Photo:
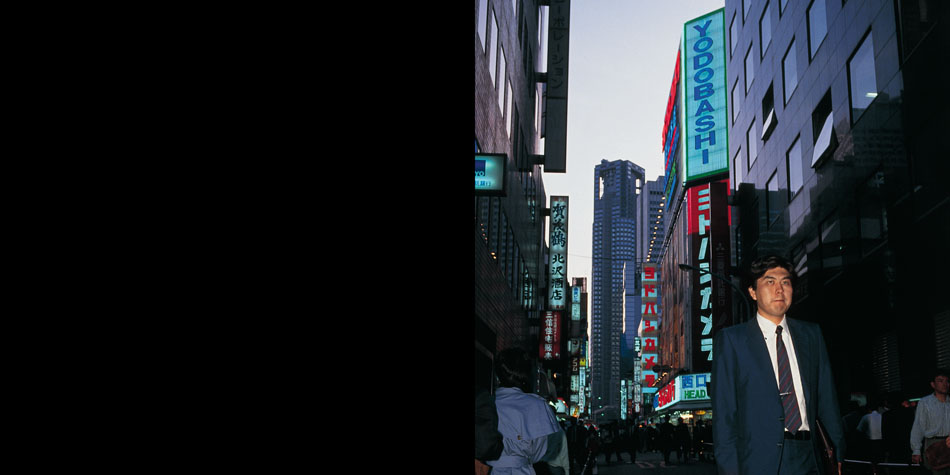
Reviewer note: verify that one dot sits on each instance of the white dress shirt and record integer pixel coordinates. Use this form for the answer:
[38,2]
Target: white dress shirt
[768,332]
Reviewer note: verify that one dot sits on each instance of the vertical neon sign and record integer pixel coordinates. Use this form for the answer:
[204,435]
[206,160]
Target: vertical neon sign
[704,79]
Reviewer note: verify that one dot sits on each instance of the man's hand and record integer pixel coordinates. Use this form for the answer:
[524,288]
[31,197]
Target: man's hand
[915,459]
[839,468]
[948,441]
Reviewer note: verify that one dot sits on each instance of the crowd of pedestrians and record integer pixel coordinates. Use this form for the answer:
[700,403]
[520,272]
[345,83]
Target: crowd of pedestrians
[620,442]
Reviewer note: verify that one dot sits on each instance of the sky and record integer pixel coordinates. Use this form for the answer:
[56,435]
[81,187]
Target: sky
[622,54]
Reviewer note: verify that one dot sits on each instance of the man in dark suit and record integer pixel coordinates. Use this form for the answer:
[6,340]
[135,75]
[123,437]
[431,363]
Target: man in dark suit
[771,379]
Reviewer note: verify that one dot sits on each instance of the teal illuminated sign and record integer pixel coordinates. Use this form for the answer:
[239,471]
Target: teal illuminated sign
[705,98]
[490,173]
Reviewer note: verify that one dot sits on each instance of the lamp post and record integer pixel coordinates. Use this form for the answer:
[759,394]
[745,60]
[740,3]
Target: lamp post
[742,296]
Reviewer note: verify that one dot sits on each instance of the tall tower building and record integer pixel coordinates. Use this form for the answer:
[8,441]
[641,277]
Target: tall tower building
[651,209]
[613,278]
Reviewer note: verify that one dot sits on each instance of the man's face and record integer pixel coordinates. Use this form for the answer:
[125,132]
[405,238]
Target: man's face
[773,293]
[941,384]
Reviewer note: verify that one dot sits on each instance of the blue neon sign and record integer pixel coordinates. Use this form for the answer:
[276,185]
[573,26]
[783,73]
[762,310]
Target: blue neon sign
[704,80]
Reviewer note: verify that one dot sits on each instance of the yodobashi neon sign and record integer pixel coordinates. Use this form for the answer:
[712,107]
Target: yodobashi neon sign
[490,173]
[704,80]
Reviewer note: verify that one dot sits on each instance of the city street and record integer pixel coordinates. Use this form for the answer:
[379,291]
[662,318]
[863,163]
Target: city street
[652,462]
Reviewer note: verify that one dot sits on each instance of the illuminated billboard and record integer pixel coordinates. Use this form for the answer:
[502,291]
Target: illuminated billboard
[550,347]
[490,173]
[708,229]
[705,98]
[672,131]
[685,388]
[649,324]
[558,290]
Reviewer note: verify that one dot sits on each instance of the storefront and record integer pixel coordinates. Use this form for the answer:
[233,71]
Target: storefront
[685,397]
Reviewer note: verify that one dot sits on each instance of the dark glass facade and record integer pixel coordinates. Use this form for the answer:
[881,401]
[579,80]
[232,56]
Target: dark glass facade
[843,169]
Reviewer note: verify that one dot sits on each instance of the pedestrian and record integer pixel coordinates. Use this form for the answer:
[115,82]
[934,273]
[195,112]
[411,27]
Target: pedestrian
[576,444]
[682,441]
[932,421]
[896,424]
[763,417]
[593,450]
[870,428]
[633,441]
[611,442]
[666,438]
[652,437]
[849,422]
[488,441]
[527,423]
[699,439]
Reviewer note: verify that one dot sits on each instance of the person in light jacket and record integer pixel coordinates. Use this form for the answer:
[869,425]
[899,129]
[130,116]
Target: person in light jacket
[526,421]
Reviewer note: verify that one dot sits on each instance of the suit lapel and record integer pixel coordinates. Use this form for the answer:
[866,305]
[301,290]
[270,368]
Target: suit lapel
[804,353]
[760,354]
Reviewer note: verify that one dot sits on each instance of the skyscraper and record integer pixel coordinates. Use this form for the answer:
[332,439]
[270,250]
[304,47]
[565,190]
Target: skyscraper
[613,278]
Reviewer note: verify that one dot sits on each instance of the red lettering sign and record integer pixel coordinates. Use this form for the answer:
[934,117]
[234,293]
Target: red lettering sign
[649,289]
[649,344]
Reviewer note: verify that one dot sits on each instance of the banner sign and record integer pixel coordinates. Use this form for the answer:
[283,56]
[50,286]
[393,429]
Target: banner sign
[649,323]
[550,347]
[555,115]
[704,81]
[671,133]
[708,229]
[557,243]
[685,387]
[490,173]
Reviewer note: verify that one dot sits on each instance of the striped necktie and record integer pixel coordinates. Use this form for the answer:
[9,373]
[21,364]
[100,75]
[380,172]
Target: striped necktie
[793,418]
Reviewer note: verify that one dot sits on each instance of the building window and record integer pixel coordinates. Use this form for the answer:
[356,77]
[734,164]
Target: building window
[501,79]
[749,68]
[733,36]
[750,144]
[537,110]
[746,5]
[735,107]
[781,7]
[765,29]
[822,123]
[872,214]
[772,201]
[492,49]
[832,248]
[793,161]
[769,120]
[737,168]
[916,21]
[481,21]
[508,108]
[861,78]
[789,71]
[817,26]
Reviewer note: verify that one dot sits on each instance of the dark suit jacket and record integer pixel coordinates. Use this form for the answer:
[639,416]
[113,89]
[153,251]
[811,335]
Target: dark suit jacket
[748,419]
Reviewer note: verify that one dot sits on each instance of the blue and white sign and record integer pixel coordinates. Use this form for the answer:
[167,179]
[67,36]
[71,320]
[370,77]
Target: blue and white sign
[705,98]
[490,173]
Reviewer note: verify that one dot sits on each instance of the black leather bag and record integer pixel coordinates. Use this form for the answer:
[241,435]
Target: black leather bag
[938,455]
[828,460]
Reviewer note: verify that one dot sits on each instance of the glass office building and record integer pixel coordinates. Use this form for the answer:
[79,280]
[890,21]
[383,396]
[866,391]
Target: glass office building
[838,125]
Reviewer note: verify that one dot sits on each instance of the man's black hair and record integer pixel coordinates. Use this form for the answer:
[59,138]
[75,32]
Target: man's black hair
[941,372]
[760,266]
[513,368]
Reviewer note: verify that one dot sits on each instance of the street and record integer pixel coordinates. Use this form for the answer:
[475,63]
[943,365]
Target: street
[652,462]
